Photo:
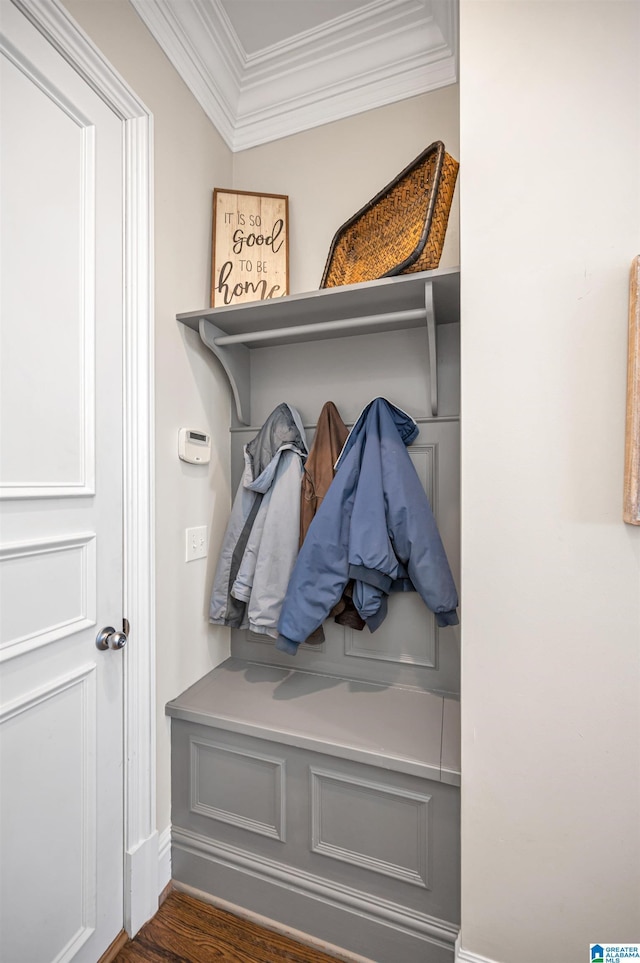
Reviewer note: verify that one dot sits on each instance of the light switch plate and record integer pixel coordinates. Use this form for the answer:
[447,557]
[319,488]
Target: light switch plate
[196,543]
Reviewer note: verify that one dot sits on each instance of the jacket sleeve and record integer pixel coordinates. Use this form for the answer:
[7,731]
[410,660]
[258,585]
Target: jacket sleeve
[321,570]
[278,548]
[416,539]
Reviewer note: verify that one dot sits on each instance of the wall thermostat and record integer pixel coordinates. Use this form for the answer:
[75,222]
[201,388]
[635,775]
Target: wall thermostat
[194,446]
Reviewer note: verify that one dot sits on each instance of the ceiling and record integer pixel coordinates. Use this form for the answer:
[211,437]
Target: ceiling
[264,69]
[261,23]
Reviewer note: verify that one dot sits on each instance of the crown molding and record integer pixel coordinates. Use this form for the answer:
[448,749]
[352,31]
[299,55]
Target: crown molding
[336,101]
[383,52]
[206,64]
[378,19]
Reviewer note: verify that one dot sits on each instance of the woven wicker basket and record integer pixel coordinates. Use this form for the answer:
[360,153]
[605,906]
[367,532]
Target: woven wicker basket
[401,229]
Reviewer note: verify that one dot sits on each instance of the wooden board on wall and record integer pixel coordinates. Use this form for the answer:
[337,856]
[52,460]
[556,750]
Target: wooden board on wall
[250,250]
[631,512]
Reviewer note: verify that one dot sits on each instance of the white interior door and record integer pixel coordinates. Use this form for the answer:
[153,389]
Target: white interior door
[61,700]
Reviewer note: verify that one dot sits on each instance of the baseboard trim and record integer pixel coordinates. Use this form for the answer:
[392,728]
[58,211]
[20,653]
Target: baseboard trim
[164,859]
[268,924]
[141,884]
[419,924]
[112,951]
[167,891]
[254,881]
[465,956]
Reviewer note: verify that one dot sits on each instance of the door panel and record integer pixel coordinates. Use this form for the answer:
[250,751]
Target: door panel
[61,572]
[49,249]
[50,847]
[66,570]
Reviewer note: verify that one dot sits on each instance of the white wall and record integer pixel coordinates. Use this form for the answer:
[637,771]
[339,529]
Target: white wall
[331,171]
[190,159]
[550,154]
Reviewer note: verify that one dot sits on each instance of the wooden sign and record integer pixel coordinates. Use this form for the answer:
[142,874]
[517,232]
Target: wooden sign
[250,260]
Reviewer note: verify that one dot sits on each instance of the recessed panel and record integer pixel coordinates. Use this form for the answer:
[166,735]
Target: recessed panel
[47,838]
[424,458]
[47,592]
[408,634]
[379,828]
[240,788]
[46,383]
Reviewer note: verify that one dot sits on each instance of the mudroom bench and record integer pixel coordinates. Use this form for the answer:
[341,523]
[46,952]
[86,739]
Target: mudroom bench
[321,792]
[346,791]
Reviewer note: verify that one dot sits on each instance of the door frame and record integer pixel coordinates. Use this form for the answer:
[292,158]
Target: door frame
[140,834]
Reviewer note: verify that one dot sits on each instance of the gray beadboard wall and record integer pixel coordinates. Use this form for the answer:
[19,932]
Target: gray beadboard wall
[321,791]
[408,648]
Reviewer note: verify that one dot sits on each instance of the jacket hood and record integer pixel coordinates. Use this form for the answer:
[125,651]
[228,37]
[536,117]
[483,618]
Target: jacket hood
[380,407]
[282,431]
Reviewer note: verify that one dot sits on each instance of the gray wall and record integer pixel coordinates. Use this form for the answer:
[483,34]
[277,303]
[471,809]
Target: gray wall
[331,171]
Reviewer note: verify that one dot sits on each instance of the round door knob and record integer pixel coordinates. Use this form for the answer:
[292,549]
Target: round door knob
[108,638]
[117,640]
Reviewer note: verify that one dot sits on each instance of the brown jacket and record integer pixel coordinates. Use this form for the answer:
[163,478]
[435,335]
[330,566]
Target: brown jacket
[331,434]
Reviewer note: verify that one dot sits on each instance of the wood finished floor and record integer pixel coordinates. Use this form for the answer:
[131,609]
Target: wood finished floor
[184,930]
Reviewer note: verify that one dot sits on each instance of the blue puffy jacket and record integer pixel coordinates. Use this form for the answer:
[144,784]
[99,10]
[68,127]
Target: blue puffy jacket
[375,526]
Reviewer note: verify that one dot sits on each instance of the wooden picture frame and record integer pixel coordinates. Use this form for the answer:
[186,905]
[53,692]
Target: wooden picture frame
[250,247]
[631,510]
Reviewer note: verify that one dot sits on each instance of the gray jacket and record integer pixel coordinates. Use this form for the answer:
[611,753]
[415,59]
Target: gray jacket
[260,545]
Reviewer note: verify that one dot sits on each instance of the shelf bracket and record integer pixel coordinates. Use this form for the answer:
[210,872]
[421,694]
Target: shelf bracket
[431,346]
[235,361]
[232,352]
